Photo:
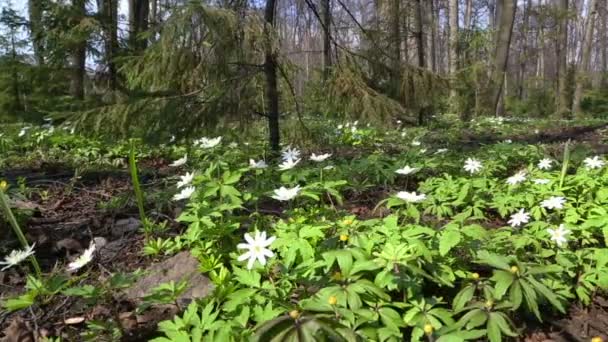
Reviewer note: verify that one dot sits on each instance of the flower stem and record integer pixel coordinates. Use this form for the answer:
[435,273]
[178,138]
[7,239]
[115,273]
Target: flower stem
[13,222]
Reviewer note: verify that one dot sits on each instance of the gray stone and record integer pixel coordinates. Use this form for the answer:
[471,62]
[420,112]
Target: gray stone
[182,266]
[124,226]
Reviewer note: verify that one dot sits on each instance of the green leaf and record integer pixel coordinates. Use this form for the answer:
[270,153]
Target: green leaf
[494,260]
[390,318]
[448,240]
[502,279]
[248,278]
[463,297]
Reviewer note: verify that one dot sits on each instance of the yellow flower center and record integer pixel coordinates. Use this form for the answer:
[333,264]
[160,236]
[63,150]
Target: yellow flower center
[489,304]
[475,276]
[597,339]
[294,314]
[428,329]
[332,300]
[3,185]
[343,237]
[514,269]
[347,222]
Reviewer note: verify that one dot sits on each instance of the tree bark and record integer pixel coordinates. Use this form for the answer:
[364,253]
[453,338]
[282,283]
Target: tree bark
[395,45]
[428,25]
[109,19]
[501,52]
[524,50]
[562,58]
[418,32]
[270,71]
[585,57]
[468,12]
[326,9]
[78,54]
[453,44]
[603,37]
[138,23]
[36,29]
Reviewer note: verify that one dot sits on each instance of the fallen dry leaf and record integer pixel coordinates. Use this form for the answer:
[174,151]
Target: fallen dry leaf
[73,320]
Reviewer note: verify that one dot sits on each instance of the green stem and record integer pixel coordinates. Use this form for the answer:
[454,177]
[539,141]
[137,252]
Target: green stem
[13,222]
[139,195]
[565,164]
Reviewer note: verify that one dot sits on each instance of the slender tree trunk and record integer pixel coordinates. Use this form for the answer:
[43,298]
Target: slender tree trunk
[78,54]
[109,18]
[36,29]
[428,25]
[524,49]
[270,71]
[492,14]
[501,54]
[603,37]
[395,45]
[585,58]
[326,8]
[562,58]
[453,45]
[17,106]
[418,32]
[468,12]
[138,23]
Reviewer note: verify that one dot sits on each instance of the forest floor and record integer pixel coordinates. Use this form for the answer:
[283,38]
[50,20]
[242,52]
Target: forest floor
[69,213]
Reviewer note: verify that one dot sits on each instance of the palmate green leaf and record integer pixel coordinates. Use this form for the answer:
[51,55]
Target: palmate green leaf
[463,336]
[463,297]
[548,294]
[493,329]
[247,278]
[448,240]
[503,280]
[494,260]
[237,298]
[391,318]
[530,297]
[24,301]
[503,322]
[515,295]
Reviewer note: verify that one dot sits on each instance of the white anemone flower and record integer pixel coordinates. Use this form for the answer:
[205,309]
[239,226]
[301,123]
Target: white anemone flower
[519,218]
[545,164]
[554,202]
[208,142]
[180,161]
[185,179]
[16,257]
[416,143]
[559,235]
[329,167]
[290,154]
[472,165]
[83,259]
[411,197]
[288,164]
[260,164]
[23,131]
[441,150]
[184,194]
[319,158]
[256,249]
[593,163]
[541,181]
[517,178]
[286,194]
[406,170]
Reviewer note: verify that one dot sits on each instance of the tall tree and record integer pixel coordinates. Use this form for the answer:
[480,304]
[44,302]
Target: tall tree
[35,9]
[395,44]
[109,19]
[418,32]
[453,44]
[585,57]
[270,71]
[501,52]
[562,58]
[326,8]
[428,26]
[138,23]
[79,52]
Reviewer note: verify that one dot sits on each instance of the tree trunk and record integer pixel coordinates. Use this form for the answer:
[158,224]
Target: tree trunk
[138,23]
[492,14]
[603,37]
[36,29]
[326,8]
[585,58]
[270,71]
[395,45]
[418,32]
[453,45]
[562,58]
[501,52]
[524,49]
[78,55]
[468,14]
[109,17]
[428,26]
